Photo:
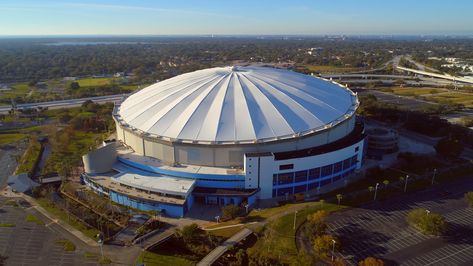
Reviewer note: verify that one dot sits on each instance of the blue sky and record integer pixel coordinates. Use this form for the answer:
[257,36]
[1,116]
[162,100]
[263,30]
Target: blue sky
[36,17]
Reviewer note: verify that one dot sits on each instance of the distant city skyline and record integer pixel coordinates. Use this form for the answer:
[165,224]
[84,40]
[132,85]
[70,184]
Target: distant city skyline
[206,17]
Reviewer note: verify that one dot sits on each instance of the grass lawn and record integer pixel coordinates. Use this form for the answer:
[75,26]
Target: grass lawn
[410,91]
[29,158]
[154,259]
[11,138]
[33,219]
[62,215]
[17,90]
[7,225]
[67,245]
[95,82]
[226,232]
[452,98]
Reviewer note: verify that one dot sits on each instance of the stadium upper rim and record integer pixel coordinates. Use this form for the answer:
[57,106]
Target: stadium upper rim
[306,104]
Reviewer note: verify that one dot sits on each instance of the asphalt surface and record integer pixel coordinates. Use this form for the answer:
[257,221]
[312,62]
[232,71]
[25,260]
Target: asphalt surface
[66,103]
[380,230]
[29,243]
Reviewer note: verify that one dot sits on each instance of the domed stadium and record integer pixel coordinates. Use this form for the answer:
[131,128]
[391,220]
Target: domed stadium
[230,135]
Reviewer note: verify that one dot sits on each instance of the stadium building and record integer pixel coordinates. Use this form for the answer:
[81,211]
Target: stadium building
[230,135]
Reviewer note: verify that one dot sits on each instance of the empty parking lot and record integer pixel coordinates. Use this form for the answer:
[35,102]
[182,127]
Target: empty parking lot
[29,243]
[380,230]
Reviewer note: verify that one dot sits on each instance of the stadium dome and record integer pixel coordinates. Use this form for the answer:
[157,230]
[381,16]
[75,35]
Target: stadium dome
[237,105]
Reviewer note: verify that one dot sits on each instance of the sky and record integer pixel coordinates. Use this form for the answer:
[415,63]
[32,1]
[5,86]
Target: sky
[243,17]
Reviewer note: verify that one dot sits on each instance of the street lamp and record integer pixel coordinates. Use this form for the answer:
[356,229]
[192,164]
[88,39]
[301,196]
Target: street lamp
[375,190]
[295,217]
[405,184]
[333,247]
[100,241]
[433,176]
[246,207]
[217,218]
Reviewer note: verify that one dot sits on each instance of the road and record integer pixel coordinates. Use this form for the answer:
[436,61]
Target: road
[66,103]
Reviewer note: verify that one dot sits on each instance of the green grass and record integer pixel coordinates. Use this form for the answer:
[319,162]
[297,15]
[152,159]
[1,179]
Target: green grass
[7,225]
[17,90]
[33,219]
[452,98]
[226,232]
[62,215]
[11,138]
[154,259]
[67,245]
[410,91]
[95,82]
[91,255]
[29,158]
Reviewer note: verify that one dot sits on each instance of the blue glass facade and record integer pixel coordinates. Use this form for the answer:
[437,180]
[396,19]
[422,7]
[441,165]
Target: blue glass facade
[310,179]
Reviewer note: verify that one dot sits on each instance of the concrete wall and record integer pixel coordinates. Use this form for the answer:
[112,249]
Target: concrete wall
[225,155]
[100,160]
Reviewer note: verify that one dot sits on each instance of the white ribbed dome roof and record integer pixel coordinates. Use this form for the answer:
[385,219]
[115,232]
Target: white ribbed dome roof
[237,104]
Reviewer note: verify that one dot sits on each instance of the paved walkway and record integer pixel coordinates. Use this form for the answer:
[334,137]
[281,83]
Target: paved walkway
[218,251]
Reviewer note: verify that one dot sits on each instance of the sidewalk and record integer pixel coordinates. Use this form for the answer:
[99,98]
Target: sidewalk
[218,251]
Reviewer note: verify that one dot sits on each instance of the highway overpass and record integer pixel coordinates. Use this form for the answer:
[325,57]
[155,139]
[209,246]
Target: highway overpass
[435,75]
[65,103]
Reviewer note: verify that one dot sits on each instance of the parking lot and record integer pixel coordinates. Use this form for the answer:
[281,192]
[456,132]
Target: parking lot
[29,243]
[380,230]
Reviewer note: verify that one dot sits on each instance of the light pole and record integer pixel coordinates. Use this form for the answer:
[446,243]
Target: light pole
[295,217]
[217,218]
[433,175]
[376,190]
[333,247]
[100,241]
[246,207]
[405,184]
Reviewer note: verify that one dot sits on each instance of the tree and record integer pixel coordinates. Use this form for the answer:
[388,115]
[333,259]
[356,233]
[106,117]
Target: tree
[427,222]
[241,257]
[74,85]
[316,224]
[189,233]
[469,198]
[449,147]
[323,245]
[231,211]
[339,198]
[386,183]
[370,261]
[370,189]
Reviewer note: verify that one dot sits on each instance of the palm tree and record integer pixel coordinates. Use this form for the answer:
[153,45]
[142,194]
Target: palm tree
[386,183]
[339,198]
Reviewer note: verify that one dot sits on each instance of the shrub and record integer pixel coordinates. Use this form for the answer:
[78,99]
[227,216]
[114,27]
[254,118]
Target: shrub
[231,211]
[323,245]
[469,198]
[370,261]
[427,222]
